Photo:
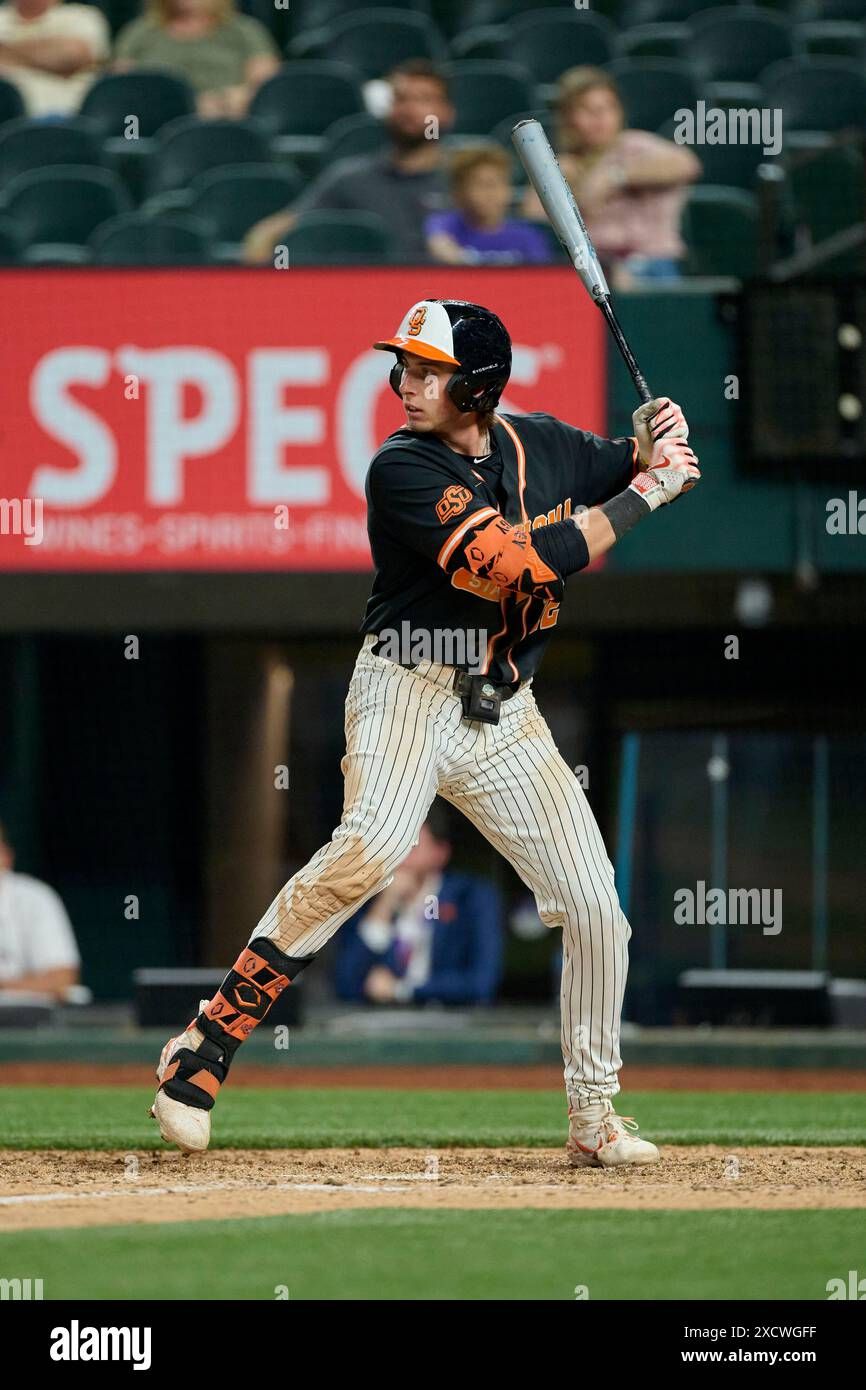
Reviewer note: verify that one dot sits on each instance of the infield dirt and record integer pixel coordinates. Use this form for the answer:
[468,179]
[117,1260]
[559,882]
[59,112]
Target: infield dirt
[54,1188]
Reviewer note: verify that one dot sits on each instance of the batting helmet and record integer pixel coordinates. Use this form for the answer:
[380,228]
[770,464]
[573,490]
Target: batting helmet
[467,335]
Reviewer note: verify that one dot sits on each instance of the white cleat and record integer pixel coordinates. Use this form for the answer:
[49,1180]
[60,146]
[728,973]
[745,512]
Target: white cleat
[599,1138]
[184,1125]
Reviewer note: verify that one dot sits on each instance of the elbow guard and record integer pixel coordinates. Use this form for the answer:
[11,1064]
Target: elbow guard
[506,555]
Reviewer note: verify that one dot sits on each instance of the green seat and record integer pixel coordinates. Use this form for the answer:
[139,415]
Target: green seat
[11,103]
[373,41]
[338,238]
[836,37]
[485,93]
[154,98]
[27,144]
[483,41]
[653,41]
[817,93]
[306,97]
[736,43]
[190,146]
[231,200]
[828,190]
[547,42]
[353,135]
[135,239]
[732,165]
[720,229]
[660,11]
[62,203]
[11,244]
[653,89]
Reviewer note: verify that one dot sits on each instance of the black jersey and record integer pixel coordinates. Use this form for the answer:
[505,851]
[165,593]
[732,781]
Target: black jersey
[451,538]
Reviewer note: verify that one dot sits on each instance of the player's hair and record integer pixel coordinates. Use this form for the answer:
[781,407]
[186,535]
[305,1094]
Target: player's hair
[573,86]
[422,67]
[464,162]
[161,10]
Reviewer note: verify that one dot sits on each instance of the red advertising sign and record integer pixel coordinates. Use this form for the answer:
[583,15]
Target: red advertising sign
[224,419]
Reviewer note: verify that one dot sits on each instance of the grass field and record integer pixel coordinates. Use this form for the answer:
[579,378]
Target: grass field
[486,1250]
[102,1117]
[450,1254]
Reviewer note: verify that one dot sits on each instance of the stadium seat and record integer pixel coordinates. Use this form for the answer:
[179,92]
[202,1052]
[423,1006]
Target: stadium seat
[155,98]
[11,104]
[373,41]
[353,135]
[732,165]
[189,146]
[28,144]
[339,238]
[837,38]
[485,93]
[134,239]
[835,9]
[10,242]
[61,205]
[229,201]
[828,190]
[485,41]
[306,97]
[503,11]
[660,11]
[720,229]
[653,41]
[736,43]
[653,89]
[817,94]
[547,42]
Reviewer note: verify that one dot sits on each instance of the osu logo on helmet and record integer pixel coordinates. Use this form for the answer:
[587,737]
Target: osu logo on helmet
[416,322]
[452,502]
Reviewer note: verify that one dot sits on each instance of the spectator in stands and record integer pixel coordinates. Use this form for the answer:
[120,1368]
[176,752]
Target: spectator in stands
[223,55]
[478,230]
[50,52]
[629,184]
[403,184]
[432,934]
[38,954]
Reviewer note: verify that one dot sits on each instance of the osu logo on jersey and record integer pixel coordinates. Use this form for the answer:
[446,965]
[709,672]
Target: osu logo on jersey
[453,501]
[416,322]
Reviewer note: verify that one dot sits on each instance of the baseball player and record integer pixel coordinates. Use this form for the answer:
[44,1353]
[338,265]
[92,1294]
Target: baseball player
[476,519]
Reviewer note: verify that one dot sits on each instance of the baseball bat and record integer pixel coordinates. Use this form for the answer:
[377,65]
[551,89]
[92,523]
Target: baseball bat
[540,162]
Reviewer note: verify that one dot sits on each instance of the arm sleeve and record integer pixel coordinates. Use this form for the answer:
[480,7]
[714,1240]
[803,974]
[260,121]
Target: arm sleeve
[602,467]
[478,982]
[445,521]
[51,940]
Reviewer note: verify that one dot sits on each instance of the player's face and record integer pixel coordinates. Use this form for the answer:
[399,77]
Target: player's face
[422,390]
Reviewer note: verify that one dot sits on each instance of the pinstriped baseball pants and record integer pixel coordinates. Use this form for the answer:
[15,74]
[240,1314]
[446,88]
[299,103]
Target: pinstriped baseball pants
[406,742]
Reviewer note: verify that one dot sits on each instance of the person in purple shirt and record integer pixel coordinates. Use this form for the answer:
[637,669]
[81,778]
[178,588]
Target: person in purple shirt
[478,230]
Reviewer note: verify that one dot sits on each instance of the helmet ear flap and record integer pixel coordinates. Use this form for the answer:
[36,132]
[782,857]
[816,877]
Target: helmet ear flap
[395,376]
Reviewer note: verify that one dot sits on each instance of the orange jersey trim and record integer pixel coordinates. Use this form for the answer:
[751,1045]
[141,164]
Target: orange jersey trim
[473,519]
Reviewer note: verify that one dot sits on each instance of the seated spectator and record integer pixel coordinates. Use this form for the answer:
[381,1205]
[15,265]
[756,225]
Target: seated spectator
[629,184]
[50,52]
[478,230]
[223,55]
[402,184]
[432,934]
[38,954]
